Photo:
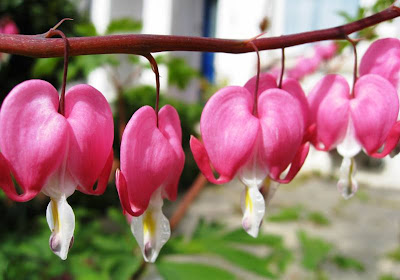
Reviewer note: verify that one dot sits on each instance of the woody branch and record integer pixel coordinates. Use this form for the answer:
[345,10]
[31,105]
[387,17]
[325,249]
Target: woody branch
[39,46]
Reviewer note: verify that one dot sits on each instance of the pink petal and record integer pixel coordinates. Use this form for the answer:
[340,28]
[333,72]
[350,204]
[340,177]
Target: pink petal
[203,162]
[123,194]
[296,164]
[103,178]
[92,133]
[169,125]
[10,28]
[383,58]
[326,51]
[282,129]
[229,130]
[148,159]
[293,87]
[390,143]
[304,66]
[7,184]
[374,110]
[33,135]
[329,106]
[266,81]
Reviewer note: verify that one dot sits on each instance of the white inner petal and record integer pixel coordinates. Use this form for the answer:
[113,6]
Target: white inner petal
[347,184]
[252,175]
[61,220]
[349,146]
[253,208]
[59,214]
[151,229]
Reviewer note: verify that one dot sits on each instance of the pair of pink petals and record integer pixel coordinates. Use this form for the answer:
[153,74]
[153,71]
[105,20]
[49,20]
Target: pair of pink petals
[373,109]
[383,58]
[362,118]
[151,157]
[35,140]
[152,161]
[233,135]
[46,151]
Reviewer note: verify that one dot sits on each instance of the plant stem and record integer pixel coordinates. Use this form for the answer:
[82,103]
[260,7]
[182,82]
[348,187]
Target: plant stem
[154,67]
[36,46]
[190,195]
[54,32]
[282,68]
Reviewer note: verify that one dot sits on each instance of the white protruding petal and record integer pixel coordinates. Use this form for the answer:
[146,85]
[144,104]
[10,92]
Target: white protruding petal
[349,146]
[347,185]
[61,220]
[151,229]
[252,176]
[253,207]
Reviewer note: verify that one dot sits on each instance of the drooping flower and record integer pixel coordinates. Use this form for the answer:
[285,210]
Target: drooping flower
[254,140]
[383,58]
[152,161]
[306,65]
[48,152]
[351,122]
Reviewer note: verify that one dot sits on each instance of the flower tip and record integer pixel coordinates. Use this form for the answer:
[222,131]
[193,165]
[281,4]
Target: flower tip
[148,253]
[252,231]
[61,220]
[253,207]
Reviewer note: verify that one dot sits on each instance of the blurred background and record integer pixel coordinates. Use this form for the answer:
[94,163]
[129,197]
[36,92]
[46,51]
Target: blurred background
[309,231]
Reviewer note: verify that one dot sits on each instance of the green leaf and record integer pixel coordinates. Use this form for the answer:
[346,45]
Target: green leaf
[242,259]
[85,29]
[344,262]
[388,277]
[125,268]
[394,255]
[314,250]
[45,66]
[347,17]
[240,236]
[288,214]
[180,73]
[193,271]
[124,25]
[318,218]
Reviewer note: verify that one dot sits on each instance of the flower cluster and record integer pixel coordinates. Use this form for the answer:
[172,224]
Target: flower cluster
[260,133]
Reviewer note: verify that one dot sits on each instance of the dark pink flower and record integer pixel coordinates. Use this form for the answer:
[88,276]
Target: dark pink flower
[253,146]
[351,123]
[383,58]
[48,152]
[152,161]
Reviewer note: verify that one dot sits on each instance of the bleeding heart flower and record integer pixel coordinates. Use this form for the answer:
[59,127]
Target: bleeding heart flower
[48,152]
[352,122]
[152,161]
[253,140]
[383,58]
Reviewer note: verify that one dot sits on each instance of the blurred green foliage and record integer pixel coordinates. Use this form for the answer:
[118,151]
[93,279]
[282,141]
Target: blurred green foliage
[362,12]
[34,17]
[388,277]
[394,255]
[298,213]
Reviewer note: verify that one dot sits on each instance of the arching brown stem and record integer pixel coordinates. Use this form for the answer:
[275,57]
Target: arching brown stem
[36,46]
